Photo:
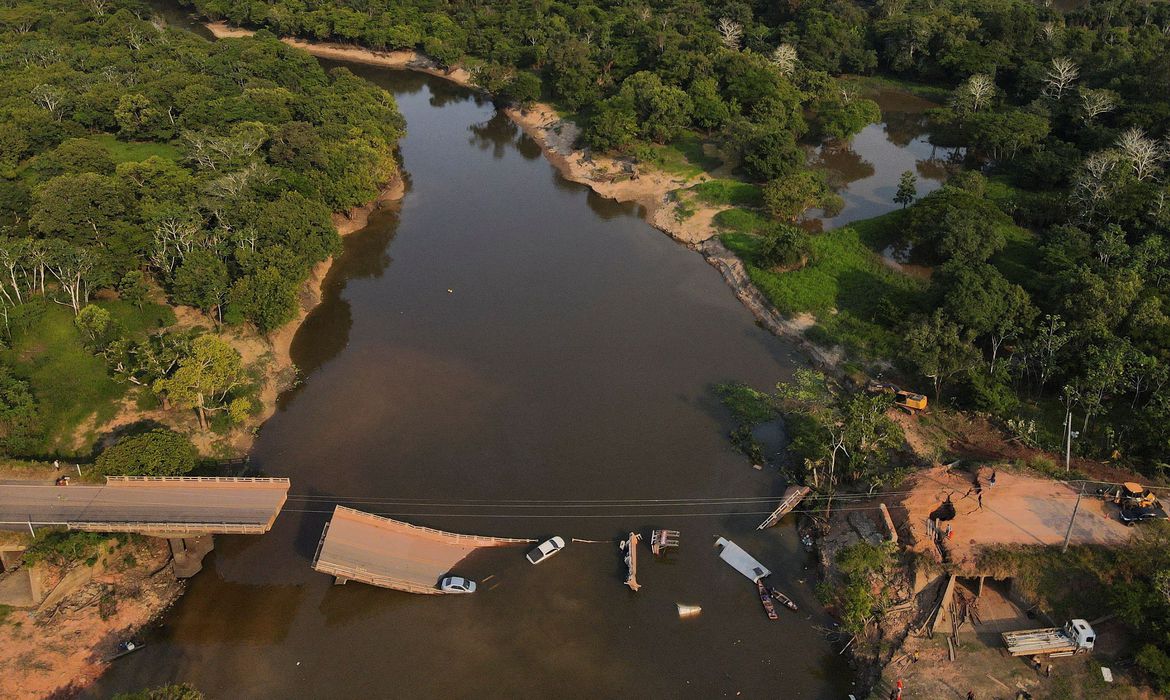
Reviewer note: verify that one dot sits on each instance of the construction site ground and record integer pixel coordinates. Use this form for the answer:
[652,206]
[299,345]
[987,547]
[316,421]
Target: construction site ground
[1019,510]
[983,666]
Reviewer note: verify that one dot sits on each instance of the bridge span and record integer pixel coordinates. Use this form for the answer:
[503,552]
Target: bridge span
[184,506]
[389,553]
[185,510]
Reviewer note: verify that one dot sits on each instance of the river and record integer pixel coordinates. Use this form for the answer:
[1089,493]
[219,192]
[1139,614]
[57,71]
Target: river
[505,335]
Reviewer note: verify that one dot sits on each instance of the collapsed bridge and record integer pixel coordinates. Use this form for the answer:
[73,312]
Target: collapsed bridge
[358,546]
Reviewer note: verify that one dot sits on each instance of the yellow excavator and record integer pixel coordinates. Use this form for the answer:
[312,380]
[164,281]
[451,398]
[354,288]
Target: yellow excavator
[1135,502]
[908,401]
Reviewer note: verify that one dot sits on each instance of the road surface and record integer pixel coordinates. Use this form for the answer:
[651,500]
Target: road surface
[234,504]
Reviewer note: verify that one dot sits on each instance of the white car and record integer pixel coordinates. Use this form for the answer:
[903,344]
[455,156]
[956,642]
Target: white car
[545,550]
[457,584]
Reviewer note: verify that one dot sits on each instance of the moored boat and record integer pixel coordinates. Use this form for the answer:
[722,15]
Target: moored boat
[766,601]
[784,600]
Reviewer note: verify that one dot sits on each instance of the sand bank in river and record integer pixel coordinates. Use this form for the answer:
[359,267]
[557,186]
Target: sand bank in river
[613,178]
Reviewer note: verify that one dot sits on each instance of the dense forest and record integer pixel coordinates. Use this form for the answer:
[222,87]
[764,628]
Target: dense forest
[138,162]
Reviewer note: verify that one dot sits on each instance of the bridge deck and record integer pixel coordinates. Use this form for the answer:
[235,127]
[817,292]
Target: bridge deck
[194,505]
[393,554]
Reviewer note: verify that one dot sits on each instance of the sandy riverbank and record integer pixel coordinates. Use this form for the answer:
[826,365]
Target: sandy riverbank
[613,178]
[60,648]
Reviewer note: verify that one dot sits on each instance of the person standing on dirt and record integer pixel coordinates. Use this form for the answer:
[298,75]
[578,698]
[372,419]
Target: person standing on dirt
[991,481]
[970,695]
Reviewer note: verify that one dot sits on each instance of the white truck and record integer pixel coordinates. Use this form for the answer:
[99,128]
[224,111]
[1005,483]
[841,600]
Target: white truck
[1076,637]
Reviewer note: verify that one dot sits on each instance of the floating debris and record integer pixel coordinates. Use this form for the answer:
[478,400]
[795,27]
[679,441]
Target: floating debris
[661,540]
[792,497]
[740,560]
[630,547]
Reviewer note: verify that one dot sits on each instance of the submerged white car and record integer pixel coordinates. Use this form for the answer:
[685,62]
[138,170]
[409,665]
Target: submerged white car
[457,584]
[545,550]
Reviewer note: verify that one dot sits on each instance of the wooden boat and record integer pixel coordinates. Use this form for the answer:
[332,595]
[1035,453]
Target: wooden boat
[124,649]
[766,601]
[687,611]
[784,600]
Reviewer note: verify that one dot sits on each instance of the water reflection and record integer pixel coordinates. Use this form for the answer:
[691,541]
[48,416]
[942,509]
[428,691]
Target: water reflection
[325,331]
[495,134]
[865,172]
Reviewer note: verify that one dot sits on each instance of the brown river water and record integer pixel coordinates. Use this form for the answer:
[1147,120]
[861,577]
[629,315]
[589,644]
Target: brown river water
[573,358]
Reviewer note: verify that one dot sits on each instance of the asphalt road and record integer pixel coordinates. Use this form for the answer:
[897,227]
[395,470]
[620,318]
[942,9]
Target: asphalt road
[253,503]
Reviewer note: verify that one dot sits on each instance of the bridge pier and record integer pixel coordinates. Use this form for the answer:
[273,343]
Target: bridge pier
[188,553]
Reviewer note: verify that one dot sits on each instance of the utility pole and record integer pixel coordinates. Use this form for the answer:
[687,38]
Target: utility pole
[1073,519]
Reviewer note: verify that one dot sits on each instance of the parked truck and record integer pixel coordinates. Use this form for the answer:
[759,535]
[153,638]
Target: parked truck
[1076,637]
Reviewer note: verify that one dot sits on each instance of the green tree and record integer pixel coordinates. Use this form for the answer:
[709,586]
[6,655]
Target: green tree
[782,245]
[205,378]
[787,198]
[266,298]
[21,429]
[838,432]
[844,116]
[940,349]
[133,288]
[709,109]
[613,126]
[82,209]
[135,115]
[160,452]
[97,327]
[523,89]
[770,154]
[907,189]
[202,281]
[662,111]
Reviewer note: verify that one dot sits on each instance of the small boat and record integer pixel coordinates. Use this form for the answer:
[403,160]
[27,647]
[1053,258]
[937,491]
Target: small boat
[687,611]
[127,647]
[766,601]
[784,600]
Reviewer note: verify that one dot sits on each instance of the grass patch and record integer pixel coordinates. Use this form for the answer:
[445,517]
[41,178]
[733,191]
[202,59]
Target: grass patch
[684,156]
[729,192]
[857,300]
[69,382]
[934,93]
[740,221]
[1020,258]
[133,151]
[138,322]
